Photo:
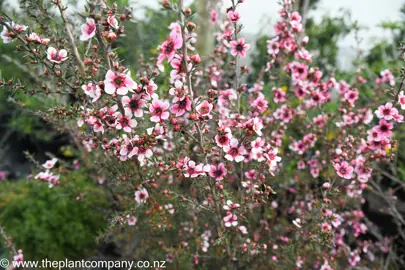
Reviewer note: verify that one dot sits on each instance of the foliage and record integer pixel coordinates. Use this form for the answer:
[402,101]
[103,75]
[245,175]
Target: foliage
[50,223]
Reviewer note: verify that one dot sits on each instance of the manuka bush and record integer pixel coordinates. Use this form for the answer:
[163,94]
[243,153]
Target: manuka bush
[210,170]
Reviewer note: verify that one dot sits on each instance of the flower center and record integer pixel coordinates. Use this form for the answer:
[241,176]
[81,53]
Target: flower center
[169,47]
[118,81]
[133,104]
[158,111]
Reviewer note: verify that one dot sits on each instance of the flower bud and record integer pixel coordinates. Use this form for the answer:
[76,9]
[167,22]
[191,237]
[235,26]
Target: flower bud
[196,58]
[191,26]
[188,12]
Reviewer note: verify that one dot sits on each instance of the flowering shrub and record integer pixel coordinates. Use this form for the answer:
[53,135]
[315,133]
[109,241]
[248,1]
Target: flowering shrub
[211,170]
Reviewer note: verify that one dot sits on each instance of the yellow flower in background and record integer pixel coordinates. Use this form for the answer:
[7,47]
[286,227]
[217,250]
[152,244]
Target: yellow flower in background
[331,135]
[284,88]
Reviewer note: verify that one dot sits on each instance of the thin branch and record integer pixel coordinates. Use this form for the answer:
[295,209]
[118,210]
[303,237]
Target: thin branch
[70,34]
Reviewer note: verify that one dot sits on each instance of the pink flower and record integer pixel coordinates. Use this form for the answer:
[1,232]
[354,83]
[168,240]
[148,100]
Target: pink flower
[272,159]
[88,29]
[19,257]
[257,126]
[386,111]
[233,16]
[34,37]
[132,221]
[204,108]
[326,266]
[143,153]
[126,122]
[239,47]
[50,163]
[134,104]
[169,47]
[326,227]
[141,195]
[181,106]
[218,172]
[224,138]
[158,110]
[251,174]
[234,151]
[192,170]
[384,129]
[351,96]
[213,16]
[344,170]
[278,95]
[273,46]
[118,83]
[92,90]
[401,100]
[230,205]
[230,220]
[7,36]
[260,104]
[112,21]
[56,56]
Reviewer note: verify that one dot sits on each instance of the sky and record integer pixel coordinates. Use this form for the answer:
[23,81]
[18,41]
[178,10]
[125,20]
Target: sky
[257,14]
[260,15]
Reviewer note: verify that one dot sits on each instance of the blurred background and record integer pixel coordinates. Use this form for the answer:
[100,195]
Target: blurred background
[347,33]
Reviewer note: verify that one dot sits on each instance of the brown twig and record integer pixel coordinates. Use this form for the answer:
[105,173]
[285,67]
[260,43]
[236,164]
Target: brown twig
[47,64]
[62,9]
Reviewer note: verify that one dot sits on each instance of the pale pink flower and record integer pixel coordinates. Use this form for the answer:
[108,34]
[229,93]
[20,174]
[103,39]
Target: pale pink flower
[56,56]
[50,163]
[257,126]
[386,111]
[132,221]
[134,104]
[218,172]
[233,16]
[34,37]
[401,100]
[234,152]
[88,29]
[158,109]
[141,195]
[230,205]
[125,122]
[118,83]
[169,47]
[112,21]
[213,16]
[344,170]
[92,90]
[204,108]
[7,36]
[181,106]
[143,153]
[239,47]
[243,230]
[230,220]
[192,170]
[224,138]
[273,46]
[351,96]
